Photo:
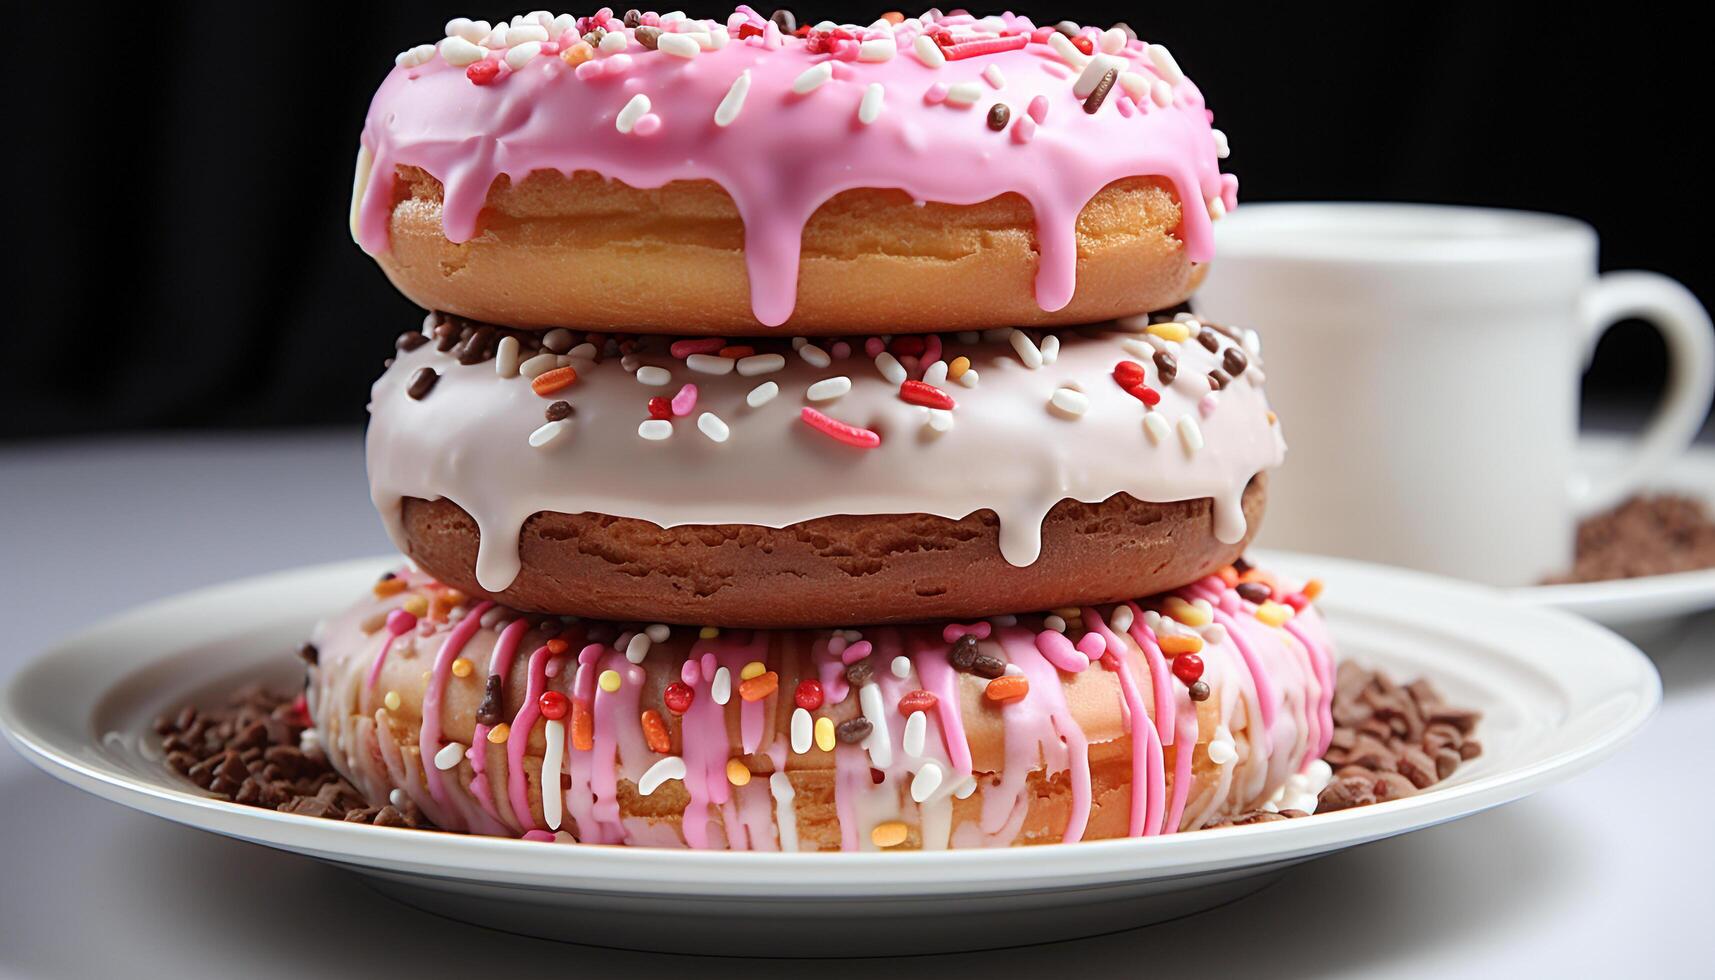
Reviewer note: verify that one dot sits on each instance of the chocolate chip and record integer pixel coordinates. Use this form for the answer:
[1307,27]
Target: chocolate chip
[1235,361]
[988,666]
[1099,94]
[648,36]
[999,115]
[309,654]
[1209,339]
[1199,691]
[633,18]
[785,20]
[422,383]
[1253,592]
[860,672]
[1218,379]
[1167,366]
[853,730]
[558,411]
[964,652]
[491,711]
[410,340]
[594,37]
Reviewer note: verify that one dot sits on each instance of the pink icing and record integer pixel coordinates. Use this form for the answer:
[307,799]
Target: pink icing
[785,153]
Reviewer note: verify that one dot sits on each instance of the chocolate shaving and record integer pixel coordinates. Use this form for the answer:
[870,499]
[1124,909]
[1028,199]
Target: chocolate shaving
[1099,94]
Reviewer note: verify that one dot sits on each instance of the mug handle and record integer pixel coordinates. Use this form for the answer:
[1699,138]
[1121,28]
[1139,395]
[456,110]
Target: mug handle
[1685,325]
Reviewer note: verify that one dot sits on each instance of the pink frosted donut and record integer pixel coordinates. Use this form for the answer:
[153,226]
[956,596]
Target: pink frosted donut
[686,176]
[1113,720]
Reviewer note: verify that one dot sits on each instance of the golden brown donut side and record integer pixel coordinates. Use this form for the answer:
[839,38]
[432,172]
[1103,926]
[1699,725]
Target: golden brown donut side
[595,254]
[834,571]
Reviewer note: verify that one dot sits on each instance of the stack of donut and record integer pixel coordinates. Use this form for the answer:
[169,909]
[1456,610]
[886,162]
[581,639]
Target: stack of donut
[810,446]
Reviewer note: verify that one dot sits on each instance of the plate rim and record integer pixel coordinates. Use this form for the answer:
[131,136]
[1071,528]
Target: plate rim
[656,871]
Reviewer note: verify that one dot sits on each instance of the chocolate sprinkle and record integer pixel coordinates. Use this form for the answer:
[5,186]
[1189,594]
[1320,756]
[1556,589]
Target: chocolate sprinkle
[492,710]
[1209,339]
[860,672]
[1167,366]
[633,18]
[1199,690]
[648,36]
[309,654]
[964,652]
[1099,94]
[853,730]
[422,383]
[999,115]
[558,411]
[1218,379]
[410,340]
[1253,592]
[1235,361]
[785,20]
[988,666]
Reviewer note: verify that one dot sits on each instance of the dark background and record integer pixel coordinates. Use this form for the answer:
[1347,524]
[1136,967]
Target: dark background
[179,210]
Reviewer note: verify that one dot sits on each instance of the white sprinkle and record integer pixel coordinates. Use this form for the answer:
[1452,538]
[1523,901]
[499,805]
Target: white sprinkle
[755,364]
[964,93]
[630,362]
[710,364]
[459,51]
[1014,670]
[1138,348]
[901,667]
[870,107]
[518,57]
[470,30]
[880,740]
[1092,74]
[815,356]
[506,357]
[878,49]
[813,78]
[1121,619]
[935,374]
[1164,64]
[678,45]
[780,786]
[1217,208]
[828,389]
[653,376]
[798,342]
[671,767]
[721,687]
[1050,348]
[549,433]
[1222,149]
[585,350]
[710,424]
[890,368]
[638,648]
[634,110]
[716,38]
[762,394]
[1161,93]
[729,108]
[969,784]
[655,430]
[969,378]
[1066,51]
[927,780]
[398,798]
[1135,85]
[557,339]
[1054,622]
[940,420]
[524,33]
[1222,752]
[916,728]
[1112,41]
[927,51]
[1156,427]
[993,76]
[552,756]
[658,632]
[613,42]
[1189,434]
[1027,350]
[449,756]
[538,365]
[803,729]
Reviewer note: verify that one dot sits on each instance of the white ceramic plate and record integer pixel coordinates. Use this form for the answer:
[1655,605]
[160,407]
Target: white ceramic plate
[1637,604]
[1558,693]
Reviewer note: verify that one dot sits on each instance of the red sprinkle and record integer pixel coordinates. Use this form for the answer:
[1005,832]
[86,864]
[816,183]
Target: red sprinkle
[1082,43]
[557,646]
[960,50]
[1144,393]
[917,701]
[695,345]
[1188,667]
[849,434]
[910,345]
[678,697]
[736,352]
[483,72]
[1296,600]
[554,705]
[923,393]
[1111,661]
[748,30]
[1128,373]
[660,408]
[809,694]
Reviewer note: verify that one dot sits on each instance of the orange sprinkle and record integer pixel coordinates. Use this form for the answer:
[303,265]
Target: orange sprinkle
[737,773]
[497,734]
[759,687]
[577,54]
[958,367]
[655,732]
[737,351]
[893,17]
[1009,687]
[557,646]
[438,607]
[583,726]
[889,834]
[549,382]
[1272,418]
[1312,589]
[1174,644]
[454,598]
[462,667]
[1229,576]
[389,586]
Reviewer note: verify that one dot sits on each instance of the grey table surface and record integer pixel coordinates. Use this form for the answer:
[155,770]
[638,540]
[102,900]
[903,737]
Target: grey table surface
[1608,873]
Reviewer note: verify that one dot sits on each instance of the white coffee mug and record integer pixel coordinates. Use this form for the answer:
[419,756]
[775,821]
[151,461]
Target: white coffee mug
[1425,363]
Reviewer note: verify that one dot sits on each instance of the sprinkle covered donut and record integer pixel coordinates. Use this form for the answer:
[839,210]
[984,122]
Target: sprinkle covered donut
[1131,719]
[798,482]
[654,173]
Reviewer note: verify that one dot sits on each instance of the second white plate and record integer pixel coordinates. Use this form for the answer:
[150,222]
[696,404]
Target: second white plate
[1558,694]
